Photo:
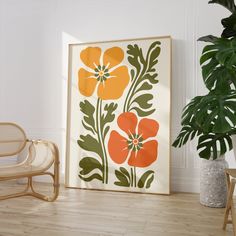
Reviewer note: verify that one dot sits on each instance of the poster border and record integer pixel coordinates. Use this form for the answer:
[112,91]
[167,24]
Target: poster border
[68,123]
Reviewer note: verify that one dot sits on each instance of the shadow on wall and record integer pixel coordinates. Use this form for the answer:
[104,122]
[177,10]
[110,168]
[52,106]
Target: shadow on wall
[66,40]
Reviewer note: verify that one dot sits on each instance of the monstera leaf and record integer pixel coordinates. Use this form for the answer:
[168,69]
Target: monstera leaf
[188,132]
[229,24]
[208,38]
[213,113]
[209,144]
[219,64]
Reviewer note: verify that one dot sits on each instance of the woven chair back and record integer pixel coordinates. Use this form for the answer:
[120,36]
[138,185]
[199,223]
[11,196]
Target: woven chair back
[12,139]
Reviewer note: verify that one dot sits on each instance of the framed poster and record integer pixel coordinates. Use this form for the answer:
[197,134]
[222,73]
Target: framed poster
[118,131]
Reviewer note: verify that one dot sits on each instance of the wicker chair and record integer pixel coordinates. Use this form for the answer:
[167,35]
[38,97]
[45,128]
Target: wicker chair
[41,155]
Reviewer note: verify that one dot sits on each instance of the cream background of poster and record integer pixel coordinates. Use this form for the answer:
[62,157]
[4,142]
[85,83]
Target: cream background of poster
[161,102]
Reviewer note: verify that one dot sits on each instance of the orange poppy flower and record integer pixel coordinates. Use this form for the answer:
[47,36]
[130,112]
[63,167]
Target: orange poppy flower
[136,147]
[103,73]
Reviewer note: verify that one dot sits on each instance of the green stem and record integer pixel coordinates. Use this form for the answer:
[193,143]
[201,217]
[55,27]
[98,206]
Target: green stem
[133,88]
[103,146]
[126,105]
[128,95]
[135,178]
[98,115]
[132,177]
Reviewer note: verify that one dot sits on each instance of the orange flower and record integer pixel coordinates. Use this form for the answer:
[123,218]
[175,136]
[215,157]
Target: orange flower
[139,151]
[103,73]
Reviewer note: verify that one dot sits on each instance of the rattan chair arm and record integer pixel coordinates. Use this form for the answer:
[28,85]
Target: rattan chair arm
[53,147]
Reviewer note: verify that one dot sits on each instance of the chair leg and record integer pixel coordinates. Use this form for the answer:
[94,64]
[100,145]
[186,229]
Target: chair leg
[44,197]
[54,176]
[33,193]
[20,194]
[229,206]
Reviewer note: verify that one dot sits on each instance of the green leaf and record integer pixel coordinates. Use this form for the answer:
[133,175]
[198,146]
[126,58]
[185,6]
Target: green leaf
[206,56]
[222,78]
[108,116]
[208,38]
[141,112]
[88,164]
[228,4]
[188,132]
[153,52]
[219,64]
[149,181]
[88,109]
[208,68]
[92,177]
[146,179]
[207,145]
[214,112]
[123,179]
[146,77]
[144,87]
[106,131]
[88,127]
[229,24]
[226,53]
[135,57]
[89,143]
[151,78]
[144,101]
[125,172]
[132,74]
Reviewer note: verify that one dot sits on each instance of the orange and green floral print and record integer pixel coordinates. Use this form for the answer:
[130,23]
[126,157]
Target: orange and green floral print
[137,147]
[103,73]
[104,76]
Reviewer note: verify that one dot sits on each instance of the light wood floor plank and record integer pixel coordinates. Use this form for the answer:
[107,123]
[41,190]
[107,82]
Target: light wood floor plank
[100,213]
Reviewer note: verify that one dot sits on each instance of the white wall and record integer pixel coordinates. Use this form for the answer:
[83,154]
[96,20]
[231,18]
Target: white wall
[34,35]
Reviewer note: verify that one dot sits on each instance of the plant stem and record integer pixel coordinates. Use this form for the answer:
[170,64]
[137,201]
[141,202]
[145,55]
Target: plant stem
[98,115]
[125,109]
[135,178]
[132,176]
[133,88]
[103,146]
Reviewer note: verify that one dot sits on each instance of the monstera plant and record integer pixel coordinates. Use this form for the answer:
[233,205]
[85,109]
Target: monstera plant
[212,117]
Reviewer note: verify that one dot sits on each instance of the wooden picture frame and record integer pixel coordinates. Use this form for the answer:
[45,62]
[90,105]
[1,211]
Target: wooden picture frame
[118,124]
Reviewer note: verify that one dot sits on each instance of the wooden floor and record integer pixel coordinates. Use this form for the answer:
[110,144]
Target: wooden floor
[93,213]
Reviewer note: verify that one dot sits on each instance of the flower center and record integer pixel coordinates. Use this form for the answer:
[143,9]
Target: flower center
[101,73]
[135,142]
